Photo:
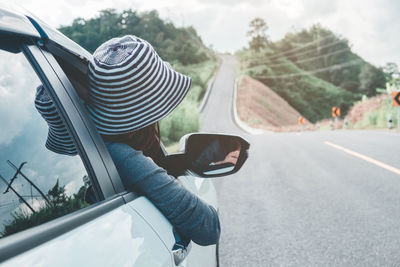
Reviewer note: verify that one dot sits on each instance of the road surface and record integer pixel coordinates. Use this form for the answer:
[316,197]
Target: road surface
[310,198]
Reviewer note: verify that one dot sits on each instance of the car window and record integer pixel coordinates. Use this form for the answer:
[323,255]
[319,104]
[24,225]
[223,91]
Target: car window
[41,175]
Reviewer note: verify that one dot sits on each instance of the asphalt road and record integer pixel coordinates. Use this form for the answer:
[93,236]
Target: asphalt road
[299,201]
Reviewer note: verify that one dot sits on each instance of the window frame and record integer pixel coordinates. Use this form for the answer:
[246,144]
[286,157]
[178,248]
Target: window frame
[95,137]
[92,151]
[56,88]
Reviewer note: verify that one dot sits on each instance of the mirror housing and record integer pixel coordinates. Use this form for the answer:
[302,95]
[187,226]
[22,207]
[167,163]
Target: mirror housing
[208,155]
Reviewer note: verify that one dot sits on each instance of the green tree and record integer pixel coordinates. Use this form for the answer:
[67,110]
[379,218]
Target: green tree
[258,35]
[392,74]
[61,205]
[57,194]
[171,43]
[371,78]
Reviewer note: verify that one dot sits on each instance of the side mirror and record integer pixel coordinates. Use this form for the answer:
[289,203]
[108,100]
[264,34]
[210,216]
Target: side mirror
[209,155]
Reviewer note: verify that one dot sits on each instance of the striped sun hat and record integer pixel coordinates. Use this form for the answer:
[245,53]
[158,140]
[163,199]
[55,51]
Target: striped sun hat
[131,87]
[58,138]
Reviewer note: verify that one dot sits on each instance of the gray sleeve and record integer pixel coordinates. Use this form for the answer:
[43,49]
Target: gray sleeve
[191,217]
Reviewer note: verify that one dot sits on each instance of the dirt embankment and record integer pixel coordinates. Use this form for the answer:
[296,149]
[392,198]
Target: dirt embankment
[260,107]
[358,111]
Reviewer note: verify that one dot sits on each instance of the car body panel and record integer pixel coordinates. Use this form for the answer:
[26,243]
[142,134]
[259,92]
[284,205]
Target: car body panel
[155,219]
[59,38]
[16,23]
[200,256]
[19,21]
[204,188]
[118,238]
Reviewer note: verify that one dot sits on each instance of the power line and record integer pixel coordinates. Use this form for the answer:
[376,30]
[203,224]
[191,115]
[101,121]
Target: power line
[304,46]
[18,171]
[19,196]
[308,59]
[304,73]
[313,49]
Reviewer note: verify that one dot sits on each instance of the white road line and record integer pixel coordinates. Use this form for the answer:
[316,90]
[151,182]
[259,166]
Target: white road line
[368,159]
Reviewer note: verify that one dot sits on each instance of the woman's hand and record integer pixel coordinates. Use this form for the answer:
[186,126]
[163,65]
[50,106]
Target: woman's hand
[232,157]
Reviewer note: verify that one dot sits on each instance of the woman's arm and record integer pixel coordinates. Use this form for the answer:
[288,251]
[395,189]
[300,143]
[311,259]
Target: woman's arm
[192,218]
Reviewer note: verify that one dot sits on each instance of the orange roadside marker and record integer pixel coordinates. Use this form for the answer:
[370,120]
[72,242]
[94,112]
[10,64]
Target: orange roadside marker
[396,98]
[335,112]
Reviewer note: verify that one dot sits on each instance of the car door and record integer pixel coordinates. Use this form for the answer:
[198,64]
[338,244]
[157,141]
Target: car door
[199,255]
[107,233]
[205,189]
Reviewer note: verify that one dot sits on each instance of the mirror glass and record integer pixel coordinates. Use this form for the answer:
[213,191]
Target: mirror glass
[213,154]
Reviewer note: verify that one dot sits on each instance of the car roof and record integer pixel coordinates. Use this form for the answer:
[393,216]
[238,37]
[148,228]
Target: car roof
[17,20]
[12,21]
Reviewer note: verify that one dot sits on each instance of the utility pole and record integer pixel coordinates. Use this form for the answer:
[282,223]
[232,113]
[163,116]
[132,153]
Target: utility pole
[19,196]
[18,171]
[15,176]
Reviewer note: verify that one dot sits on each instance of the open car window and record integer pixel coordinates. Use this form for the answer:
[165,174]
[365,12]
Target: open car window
[39,179]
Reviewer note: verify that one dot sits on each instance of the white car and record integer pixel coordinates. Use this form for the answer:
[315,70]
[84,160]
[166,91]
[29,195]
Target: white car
[60,210]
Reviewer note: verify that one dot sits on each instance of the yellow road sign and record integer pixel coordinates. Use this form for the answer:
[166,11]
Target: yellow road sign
[335,112]
[396,98]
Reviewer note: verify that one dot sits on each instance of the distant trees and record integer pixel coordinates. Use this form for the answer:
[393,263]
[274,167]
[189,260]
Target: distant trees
[171,43]
[312,69]
[181,46]
[258,34]
[61,204]
[371,78]
[392,74]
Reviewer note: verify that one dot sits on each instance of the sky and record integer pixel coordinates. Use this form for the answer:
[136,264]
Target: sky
[371,26]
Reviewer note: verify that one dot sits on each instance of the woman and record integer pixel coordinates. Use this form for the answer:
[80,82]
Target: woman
[130,90]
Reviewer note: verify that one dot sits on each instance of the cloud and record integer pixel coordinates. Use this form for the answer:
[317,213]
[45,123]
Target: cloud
[16,91]
[370,25]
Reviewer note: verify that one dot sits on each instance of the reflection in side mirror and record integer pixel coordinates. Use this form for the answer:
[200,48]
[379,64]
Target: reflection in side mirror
[213,155]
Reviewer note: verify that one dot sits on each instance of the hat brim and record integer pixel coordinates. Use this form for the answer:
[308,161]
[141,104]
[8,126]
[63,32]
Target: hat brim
[58,138]
[146,91]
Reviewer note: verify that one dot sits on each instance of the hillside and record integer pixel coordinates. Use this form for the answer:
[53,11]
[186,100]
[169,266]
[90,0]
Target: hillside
[313,70]
[173,44]
[372,113]
[261,107]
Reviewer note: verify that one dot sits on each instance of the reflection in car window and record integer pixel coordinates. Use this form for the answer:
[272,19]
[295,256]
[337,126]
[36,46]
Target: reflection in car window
[36,184]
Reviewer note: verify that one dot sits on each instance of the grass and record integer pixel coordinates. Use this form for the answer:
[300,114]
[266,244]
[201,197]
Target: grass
[186,118]
[378,118]
[324,128]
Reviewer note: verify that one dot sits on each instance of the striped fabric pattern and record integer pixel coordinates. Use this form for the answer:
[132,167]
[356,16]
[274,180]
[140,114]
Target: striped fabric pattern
[58,138]
[131,87]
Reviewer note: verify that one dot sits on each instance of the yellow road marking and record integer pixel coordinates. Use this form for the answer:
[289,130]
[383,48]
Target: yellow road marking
[370,160]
